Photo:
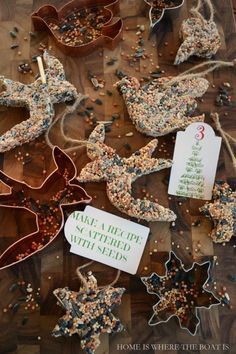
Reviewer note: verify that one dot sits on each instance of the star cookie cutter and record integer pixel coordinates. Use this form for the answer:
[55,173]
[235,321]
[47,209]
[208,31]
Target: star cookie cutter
[62,21]
[119,174]
[159,108]
[181,293]
[88,313]
[39,99]
[222,211]
[158,8]
[45,203]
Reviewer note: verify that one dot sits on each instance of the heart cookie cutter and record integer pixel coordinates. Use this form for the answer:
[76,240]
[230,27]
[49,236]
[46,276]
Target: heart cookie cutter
[45,203]
[48,17]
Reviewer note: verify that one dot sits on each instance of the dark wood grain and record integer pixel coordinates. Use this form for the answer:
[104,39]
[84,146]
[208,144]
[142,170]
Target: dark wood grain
[55,266]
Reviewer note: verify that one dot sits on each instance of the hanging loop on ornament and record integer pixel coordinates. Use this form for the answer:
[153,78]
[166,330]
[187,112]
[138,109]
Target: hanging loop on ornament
[195,11]
[190,74]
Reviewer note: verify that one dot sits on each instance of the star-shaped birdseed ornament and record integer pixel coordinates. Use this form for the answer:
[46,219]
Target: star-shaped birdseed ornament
[223,212]
[120,173]
[162,106]
[200,38]
[181,293]
[39,99]
[88,313]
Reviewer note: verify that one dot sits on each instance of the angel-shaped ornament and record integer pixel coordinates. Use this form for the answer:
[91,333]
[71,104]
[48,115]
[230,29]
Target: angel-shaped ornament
[200,36]
[38,98]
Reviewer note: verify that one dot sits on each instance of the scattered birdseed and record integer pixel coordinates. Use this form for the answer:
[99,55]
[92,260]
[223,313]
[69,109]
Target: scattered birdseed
[14,46]
[112,61]
[13,34]
[223,97]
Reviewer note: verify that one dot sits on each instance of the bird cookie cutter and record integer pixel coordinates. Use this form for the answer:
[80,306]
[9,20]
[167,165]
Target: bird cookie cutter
[181,292]
[120,173]
[45,203]
[68,29]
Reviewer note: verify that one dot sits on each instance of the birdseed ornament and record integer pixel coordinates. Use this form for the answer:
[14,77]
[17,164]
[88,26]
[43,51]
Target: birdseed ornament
[88,312]
[200,36]
[39,99]
[157,108]
[181,293]
[167,104]
[46,203]
[120,173]
[222,212]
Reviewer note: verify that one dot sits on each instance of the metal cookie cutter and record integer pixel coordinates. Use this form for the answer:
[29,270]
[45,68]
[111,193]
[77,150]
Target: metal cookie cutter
[46,203]
[69,30]
[158,8]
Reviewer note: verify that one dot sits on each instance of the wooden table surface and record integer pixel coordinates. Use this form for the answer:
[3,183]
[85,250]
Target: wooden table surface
[55,266]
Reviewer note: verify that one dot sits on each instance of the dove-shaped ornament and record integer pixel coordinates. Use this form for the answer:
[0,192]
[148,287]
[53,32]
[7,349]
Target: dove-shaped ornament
[162,106]
[200,36]
[119,174]
[38,98]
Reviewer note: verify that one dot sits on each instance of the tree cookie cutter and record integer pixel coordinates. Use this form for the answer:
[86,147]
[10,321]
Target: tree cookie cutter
[158,8]
[47,17]
[45,203]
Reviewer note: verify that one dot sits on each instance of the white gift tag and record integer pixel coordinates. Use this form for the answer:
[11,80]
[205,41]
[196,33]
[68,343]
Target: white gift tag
[106,238]
[195,161]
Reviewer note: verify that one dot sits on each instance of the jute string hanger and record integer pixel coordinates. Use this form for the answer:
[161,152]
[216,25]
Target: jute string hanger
[195,11]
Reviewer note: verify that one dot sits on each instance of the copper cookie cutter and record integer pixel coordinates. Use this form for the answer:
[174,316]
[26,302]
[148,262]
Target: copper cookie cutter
[45,203]
[160,12]
[111,31]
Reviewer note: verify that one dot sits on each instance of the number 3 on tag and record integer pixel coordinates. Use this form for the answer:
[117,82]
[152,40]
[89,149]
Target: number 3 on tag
[195,161]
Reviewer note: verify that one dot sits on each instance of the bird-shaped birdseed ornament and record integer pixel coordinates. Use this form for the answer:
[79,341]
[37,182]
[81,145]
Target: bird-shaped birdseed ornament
[223,212]
[162,106]
[181,292]
[88,312]
[200,36]
[38,98]
[120,173]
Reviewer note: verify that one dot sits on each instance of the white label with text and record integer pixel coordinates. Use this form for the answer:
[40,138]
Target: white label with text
[106,238]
